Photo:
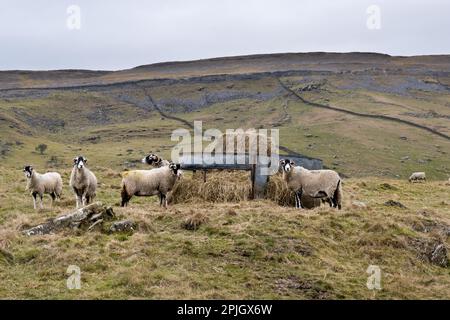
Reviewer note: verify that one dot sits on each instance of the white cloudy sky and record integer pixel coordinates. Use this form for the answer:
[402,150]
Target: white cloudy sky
[118,34]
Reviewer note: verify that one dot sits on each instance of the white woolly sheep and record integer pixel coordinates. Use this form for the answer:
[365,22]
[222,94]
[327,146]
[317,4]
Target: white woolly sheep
[40,184]
[83,182]
[159,181]
[155,161]
[417,176]
[321,184]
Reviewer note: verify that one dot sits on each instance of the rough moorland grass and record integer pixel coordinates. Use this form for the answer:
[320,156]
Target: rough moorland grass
[250,249]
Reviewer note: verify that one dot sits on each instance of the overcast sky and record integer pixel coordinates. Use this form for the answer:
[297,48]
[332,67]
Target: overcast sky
[119,34]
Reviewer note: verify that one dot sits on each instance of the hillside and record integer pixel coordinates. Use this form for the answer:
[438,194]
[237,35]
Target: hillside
[363,114]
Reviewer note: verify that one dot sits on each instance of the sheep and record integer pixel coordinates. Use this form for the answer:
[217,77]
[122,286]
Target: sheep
[417,176]
[83,182]
[39,184]
[158,181]
[156,161]
[322,184]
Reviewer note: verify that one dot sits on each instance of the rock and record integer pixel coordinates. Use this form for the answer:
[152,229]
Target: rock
[404,158]
[122,226]
[439,256]
[359,205]
[83,218]
[403,138]
[393,203]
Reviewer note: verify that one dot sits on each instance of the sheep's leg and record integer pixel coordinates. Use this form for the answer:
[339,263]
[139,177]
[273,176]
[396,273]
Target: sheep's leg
[79,201]
[330,202]
[53,195]
[335,204]
[164,201]
[299,195]
[83,200]
[125,200]
[125,197]
[296,200]
[337,196]
[160,199]
[34,194]
[41,196]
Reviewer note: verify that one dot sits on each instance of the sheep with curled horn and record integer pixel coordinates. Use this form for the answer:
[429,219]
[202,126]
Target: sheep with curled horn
[322,184]
[83,182]
[155,160]
[40,184]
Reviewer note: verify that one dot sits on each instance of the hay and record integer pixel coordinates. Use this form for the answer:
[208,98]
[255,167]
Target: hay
[233,186]
[221,186]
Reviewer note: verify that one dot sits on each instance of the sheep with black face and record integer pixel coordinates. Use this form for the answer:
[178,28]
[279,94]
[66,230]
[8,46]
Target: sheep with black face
[40,184]
[159,181]
[321,184]
[83,182]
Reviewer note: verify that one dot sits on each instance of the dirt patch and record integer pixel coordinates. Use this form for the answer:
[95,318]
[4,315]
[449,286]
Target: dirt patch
[194,221]
[387,186]
[393,203]
[317,290]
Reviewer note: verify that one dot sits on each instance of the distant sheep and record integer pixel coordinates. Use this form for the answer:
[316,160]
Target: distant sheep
[83,182]
[40,184]
[159,181]
[417,176]
[321,184]
[155,161]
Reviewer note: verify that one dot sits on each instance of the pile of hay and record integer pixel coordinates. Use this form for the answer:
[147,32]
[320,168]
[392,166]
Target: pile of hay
[233,186]
[220,186]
